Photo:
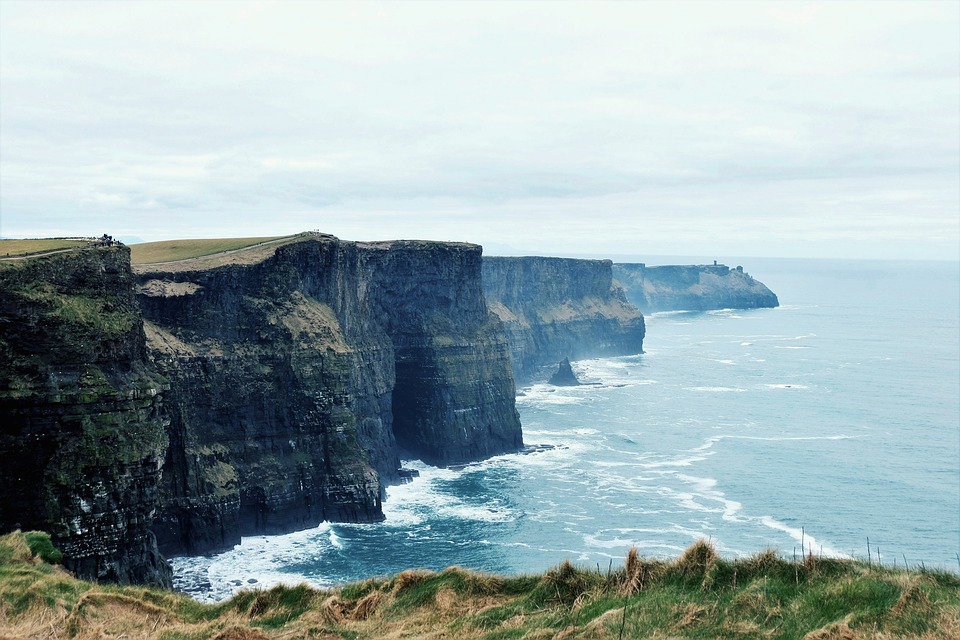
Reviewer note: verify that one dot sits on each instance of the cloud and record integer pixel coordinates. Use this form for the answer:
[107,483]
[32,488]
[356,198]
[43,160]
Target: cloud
[659,123]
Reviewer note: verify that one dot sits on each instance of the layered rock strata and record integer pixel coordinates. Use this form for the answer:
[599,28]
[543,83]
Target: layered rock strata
[82,436]
[692,288]
[556,308]
[297,380]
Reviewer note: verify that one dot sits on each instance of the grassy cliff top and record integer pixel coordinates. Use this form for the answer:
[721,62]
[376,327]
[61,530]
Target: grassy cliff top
[20,248]
[698,595]
[175,250]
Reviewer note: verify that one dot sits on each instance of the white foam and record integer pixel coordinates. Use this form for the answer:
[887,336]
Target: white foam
[717,389]
[257,558]
[678,462]
[335,540]
[706,489]
[809,542]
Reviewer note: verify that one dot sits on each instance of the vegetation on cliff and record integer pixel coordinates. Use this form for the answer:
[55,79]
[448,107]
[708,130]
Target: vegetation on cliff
[697,595]
[81,435]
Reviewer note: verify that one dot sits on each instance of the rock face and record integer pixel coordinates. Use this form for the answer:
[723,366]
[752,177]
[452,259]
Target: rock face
[564,377]
[296,381]
[81,433]
[692,288]
[554,308]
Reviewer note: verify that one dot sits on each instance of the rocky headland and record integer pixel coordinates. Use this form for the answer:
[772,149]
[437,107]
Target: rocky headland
[556,308]
[293,377]
[692,288]
[177,404]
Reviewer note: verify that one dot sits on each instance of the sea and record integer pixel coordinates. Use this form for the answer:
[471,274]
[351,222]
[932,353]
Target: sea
[829,425]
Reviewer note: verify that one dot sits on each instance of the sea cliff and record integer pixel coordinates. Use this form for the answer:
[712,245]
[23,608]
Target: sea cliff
[692,288]
[556,308]
[293,376]
[297,381]
[82,434]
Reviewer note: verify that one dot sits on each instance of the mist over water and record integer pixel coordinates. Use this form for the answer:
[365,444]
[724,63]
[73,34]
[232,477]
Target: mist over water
[829,420]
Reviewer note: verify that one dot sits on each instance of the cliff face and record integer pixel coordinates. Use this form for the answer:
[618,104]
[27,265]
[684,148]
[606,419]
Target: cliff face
[556,308]
[81,434]
[692,288]
[296,381]
[454,396]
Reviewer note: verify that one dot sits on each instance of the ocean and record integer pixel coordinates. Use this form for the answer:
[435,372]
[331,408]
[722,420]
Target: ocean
[812,427]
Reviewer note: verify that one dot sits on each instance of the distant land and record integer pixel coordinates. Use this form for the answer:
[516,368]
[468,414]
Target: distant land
[692,287]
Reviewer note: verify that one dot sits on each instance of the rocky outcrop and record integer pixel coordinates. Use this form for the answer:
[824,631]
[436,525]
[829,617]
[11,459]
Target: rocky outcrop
[296,381]
[81,433]
[554,308]
[564,376]
[692,288]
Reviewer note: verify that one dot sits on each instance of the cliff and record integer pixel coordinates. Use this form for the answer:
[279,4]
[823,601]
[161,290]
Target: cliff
[556,308]
[293,373]
[692,288]
[297,379]
[81,433]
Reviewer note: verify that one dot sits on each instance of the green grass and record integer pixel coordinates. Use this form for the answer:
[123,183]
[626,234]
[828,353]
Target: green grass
[698,595]
[173,250]
[13,248]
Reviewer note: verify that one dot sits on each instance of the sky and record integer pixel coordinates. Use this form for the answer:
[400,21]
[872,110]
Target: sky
[794,129]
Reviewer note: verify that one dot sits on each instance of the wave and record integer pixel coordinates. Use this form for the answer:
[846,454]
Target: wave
[809,543]
[257,562]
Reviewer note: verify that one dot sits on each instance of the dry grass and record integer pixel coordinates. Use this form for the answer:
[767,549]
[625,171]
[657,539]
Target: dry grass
[698,595]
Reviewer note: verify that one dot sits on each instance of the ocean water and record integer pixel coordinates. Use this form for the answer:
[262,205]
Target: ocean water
[832,419]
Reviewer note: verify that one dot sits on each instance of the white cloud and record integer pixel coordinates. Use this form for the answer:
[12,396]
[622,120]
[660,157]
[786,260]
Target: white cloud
[539,124]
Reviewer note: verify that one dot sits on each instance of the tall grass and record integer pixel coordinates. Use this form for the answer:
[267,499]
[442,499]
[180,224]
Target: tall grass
[697,595]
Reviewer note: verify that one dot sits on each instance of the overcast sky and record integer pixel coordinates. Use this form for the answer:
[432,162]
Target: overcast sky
[716,128]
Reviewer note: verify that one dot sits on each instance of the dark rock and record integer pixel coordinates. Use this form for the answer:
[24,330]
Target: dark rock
[564,377]
[692,288]
[407,475]
[81,430]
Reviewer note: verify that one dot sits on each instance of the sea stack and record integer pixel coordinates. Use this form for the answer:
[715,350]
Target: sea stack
[564,377]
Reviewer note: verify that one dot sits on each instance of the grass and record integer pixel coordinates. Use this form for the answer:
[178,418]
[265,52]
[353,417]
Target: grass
[173,250]
[15,248]
[698,595]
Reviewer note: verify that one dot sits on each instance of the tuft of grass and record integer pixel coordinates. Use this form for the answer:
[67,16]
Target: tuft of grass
[41,546]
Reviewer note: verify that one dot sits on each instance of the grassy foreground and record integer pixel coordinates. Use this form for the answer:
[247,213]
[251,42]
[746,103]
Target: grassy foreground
[698,595]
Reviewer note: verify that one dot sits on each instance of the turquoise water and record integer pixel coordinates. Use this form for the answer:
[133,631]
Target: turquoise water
[832,419]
